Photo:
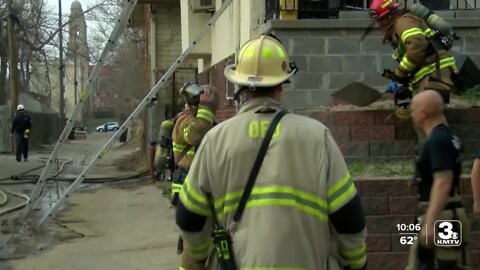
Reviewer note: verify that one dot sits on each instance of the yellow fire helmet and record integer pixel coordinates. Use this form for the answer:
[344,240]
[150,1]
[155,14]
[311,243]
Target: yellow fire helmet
[262,62]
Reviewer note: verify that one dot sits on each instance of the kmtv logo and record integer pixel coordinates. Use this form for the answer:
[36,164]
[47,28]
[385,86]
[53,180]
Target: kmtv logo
[447,233]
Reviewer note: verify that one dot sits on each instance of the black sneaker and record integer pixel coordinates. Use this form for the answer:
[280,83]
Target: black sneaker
[25,159]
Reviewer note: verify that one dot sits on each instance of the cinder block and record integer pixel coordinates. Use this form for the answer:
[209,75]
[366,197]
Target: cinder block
[339,80]
[375,45]
[311,45]
[328,32]
[353,14]
[308,80]
[343,46]
[386,62]
[301,61]
[360,63]
[297,98]
[375,79]
[325,64]
[320,97]
[471,44]
[466,13]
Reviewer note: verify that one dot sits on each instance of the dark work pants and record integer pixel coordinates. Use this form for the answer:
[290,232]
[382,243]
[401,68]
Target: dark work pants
[22,147]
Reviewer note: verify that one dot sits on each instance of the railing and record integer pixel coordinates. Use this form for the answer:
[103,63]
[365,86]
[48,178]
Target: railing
[327,9]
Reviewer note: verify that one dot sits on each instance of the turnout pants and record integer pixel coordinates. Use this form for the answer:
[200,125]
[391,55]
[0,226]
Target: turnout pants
[443,258]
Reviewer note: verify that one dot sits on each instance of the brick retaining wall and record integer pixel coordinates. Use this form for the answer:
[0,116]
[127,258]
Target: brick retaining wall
[378,133]
[388,202]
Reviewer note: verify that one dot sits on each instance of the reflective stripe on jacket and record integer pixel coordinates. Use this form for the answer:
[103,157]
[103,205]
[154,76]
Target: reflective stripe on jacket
[410,34]
[302,181]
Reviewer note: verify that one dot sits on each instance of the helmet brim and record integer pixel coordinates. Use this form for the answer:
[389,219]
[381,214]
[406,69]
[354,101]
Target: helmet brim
[248,80]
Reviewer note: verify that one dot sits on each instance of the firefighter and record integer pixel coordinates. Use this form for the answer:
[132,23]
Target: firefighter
[423,62]
[189,129]
[21,127]
[476,185]
[438,175]
[303,194]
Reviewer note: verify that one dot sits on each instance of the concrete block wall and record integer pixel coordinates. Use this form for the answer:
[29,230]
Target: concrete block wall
[388,202]
[330,54]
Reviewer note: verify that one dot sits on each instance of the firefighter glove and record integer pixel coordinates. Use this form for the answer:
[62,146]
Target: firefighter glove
[397,76]
[209,98]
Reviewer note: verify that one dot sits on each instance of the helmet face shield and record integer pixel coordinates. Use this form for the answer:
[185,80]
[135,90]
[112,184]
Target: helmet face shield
[191,91]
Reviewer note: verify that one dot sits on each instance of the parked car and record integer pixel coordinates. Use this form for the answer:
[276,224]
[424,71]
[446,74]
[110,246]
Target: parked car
[108,127]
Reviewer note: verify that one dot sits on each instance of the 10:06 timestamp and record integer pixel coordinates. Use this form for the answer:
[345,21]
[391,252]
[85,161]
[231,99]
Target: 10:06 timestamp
[402,227]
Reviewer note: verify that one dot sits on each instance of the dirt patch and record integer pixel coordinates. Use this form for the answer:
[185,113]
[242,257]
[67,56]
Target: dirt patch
[137,161]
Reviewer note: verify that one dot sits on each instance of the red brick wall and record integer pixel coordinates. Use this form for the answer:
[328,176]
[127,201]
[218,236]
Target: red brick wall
[379,133]
[388,202]
[214,76]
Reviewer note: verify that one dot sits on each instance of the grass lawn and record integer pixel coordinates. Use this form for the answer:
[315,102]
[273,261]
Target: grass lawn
[400,167]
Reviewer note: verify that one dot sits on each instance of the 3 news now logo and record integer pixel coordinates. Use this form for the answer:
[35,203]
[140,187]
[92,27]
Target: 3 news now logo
[447,233]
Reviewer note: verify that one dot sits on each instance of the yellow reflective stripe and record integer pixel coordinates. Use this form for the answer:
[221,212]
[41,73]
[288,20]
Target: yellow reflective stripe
[275,195]
[357,257]
[267,53]
[388,2]
[340,192]
[445,62]
[193,201]
[200,251]
[345,179]
[178,148]
[406,65]
[176,187]
[185,132]
[428,32]
[411,32]
[280,52]
[182,268]
[249,51]
[205,114]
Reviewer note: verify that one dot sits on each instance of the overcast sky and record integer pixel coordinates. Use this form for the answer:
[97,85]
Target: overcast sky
[67,3]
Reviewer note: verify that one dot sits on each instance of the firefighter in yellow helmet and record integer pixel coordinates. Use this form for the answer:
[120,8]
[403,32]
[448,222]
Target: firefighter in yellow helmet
[302,197]
[189,128]
[424,60]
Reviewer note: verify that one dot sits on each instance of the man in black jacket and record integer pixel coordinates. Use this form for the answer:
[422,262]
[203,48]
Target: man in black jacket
[21,126]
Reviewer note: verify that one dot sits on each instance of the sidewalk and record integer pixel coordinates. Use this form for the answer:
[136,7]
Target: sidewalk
[9,166]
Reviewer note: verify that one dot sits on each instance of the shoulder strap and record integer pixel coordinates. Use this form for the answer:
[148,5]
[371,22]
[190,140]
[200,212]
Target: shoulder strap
[258,163]
[183,153]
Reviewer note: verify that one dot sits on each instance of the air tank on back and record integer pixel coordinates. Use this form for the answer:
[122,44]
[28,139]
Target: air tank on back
[432,19]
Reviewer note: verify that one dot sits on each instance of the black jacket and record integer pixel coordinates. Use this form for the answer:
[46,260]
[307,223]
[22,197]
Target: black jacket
[21,123]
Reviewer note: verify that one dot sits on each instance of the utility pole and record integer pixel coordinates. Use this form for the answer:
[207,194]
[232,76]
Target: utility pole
[61,67]
[12,55]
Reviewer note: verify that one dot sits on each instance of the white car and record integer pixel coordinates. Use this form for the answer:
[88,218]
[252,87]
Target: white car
[108,127]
